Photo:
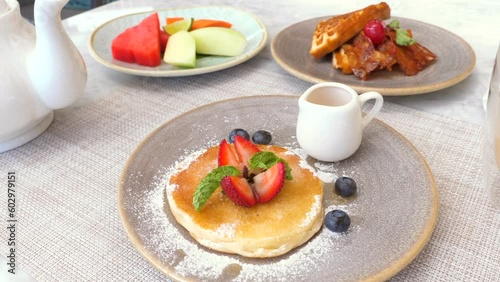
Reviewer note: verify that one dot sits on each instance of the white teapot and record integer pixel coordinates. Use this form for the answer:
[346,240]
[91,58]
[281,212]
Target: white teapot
[40,70]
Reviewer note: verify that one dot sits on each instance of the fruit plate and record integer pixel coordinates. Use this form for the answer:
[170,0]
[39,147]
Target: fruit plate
[455,60]
[393,214]
[245,22]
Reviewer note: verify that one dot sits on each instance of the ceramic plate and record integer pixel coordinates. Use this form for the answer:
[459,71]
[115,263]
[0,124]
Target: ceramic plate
[455,60]
[248,24]
[393,214]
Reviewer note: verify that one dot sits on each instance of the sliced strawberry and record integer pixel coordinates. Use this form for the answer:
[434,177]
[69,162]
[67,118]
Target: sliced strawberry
[227,156]
[238,190]
[245,149]
[268,183]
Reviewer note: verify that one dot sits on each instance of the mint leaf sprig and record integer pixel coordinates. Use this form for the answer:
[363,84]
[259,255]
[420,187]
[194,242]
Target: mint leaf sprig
[402,36]
[211,181]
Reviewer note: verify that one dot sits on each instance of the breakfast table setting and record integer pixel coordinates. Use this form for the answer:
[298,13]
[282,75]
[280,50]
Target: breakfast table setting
[84,190]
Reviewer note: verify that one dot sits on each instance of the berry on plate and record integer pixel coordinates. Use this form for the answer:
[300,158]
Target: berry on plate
[238,190]
[246,174]
[245,149]
[345,186]
[227,155]
[268,184]
[375,31]
[263,137]
[337,221]
[240,132]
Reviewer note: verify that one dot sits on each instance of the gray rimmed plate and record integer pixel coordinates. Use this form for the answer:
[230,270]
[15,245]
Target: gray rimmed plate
[243,21]
[455,60]
[393,214]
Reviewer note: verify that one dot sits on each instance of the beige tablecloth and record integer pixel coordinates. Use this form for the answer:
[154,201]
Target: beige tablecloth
[68,223]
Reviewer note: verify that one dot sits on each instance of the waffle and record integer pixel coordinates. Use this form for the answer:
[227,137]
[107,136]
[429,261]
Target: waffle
[332,33]
[265,230]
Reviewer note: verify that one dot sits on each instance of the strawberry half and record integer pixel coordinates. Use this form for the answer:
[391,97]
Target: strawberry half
[267,184]
[245,149]
[246,190]
[238,190]
[227,156]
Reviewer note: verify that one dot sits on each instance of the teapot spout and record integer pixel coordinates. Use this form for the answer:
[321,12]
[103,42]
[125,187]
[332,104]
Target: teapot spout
[56,68]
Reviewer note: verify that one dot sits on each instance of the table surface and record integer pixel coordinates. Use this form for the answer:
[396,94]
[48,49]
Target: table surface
[456,114]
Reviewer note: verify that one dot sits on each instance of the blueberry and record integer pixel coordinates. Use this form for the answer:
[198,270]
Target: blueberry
[337,221]
[262,137]
[238,131]
[345,186]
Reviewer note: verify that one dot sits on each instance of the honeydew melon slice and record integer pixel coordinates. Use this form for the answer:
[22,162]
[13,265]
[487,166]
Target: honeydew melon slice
[219,41]
[181,50]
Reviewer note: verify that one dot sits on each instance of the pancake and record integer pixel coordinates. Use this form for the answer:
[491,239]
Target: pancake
[264,230]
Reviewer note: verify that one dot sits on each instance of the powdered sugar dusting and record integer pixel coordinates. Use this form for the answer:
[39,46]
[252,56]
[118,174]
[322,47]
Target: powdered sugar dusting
[311,215]
[226,230]
[326,172]
[179,166]
[293,150]
[184,258]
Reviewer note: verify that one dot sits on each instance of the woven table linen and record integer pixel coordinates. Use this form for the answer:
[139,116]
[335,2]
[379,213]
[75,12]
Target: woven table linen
[67,178]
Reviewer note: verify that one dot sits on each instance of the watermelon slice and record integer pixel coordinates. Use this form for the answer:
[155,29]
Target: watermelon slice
[140,44]
[163,40]
[121,46]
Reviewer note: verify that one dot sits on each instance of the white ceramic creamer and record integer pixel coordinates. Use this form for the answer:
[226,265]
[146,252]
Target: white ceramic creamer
[41,70]
[330,122]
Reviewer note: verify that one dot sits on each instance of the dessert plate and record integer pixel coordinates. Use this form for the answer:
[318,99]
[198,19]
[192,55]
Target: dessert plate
[393,214]
[455,60]
[245,22]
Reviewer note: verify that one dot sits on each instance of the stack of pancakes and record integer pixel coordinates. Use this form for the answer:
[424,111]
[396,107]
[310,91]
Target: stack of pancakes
[265,230]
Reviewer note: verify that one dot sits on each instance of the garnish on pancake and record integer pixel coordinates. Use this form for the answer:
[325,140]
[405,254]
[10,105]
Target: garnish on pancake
[248,177]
